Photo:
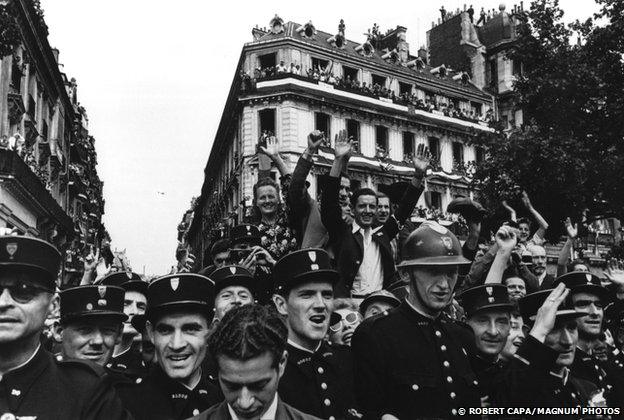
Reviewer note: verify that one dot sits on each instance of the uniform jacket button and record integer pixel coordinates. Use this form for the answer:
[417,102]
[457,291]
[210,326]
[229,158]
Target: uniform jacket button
[327,402]
[320,370]
[415,387]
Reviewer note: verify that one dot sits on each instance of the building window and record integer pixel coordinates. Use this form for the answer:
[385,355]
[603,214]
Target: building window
[458,152]
[493,73]
[435,200]
[517,67]
[267,60]
[267,121]
[434,149]
[349,73]
[405,88]
[381,141]
[321,123]
[319,63]
[408,146]
[379,80]
[479,154]
[353,130]
[44,131]
[16,78]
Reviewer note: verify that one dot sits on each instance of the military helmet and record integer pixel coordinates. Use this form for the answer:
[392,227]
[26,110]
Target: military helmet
[432,245]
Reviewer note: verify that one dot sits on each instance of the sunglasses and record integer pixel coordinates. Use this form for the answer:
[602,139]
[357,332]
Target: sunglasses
[350,319]
[23,292]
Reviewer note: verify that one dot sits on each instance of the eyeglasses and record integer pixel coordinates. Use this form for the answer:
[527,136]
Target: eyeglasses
[23,292]
[350,319]
[585,303]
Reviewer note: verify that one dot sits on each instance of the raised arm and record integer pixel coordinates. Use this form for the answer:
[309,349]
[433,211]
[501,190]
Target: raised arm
[506,240]
[512,212]
[543,225]
[564,255]
[412,193]
[298,197]
[271,150]
[331,213]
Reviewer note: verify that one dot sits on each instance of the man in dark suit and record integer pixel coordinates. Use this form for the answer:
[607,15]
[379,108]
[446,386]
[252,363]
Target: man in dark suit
[249,350]
[363,252]
[538,256]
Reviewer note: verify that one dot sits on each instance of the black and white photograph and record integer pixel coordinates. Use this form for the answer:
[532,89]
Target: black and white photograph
[311,210]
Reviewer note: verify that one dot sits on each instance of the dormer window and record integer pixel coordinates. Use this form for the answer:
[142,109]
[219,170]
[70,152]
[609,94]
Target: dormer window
[307,31]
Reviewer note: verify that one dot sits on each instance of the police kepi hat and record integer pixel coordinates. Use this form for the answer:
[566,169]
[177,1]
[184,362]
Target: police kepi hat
[91,301]
[485,297]
[127,280]
[303,266]
[379,296]
[430,245]
[32,254]
[530,304]
[180,292]
[245,233]
[583,281]
[232,275]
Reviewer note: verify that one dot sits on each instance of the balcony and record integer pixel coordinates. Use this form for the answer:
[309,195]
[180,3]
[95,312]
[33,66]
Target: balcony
[21,181]
[16,106]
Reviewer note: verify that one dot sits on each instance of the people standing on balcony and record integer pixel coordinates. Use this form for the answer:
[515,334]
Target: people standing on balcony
[281,68]
[362,251]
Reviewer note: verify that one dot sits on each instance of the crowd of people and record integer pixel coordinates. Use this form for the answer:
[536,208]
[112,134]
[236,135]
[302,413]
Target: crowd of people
[345,307]
[376,90]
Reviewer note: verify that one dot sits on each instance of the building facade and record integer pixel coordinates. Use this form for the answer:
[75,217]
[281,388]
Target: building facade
[49,186]
[292,79]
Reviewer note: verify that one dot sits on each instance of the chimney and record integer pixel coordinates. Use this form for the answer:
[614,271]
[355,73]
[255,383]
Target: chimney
[422,53]
[396,39]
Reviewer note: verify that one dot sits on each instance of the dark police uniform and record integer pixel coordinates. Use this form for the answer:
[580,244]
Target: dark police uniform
[51,388]
[319,383]
[530,381]
[412,365]
[158,397]
[479,299]
[263,278]
[129,363]
[46,388]
[606,375]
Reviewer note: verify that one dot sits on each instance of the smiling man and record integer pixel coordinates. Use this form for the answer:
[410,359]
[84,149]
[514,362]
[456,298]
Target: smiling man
[363,253]
[179,312]
[127,358]
[233,288]
[318,377]
[91,322]
[34,384]
[589,296]
[249,349]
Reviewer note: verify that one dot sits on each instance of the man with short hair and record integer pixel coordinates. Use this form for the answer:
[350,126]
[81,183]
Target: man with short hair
[179,312]
[383,208]
[91,322]
[363,252]
[33,384]
[249,350]
[127,358]
[516,287]
[589,296]
[412,362]
[318,377]
[218,256]
[538,256]
[233,287]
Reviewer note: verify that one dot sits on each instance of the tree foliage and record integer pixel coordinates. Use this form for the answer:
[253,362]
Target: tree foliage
[569,154]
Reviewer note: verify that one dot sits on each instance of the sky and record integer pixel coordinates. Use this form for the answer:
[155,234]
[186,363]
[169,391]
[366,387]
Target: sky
[154,76]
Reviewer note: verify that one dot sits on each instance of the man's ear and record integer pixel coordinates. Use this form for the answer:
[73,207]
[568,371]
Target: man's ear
[282,364]
[149,328]
[54,308]
[57,333]
[281,304]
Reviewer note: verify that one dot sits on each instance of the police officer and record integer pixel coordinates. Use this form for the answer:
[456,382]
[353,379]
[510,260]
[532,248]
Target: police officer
[91,322]
[413,362]
[539,373]
[179,312]
[234,287]
[245,251]
[379,302]
[33,383]
[318,376]
[487,309]
[127,355]
[588,295]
